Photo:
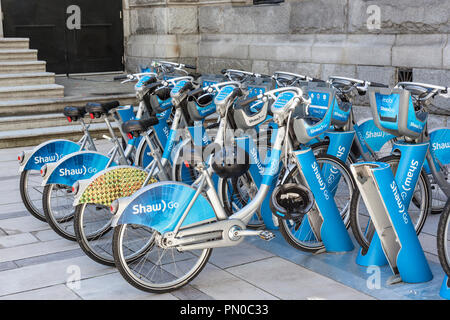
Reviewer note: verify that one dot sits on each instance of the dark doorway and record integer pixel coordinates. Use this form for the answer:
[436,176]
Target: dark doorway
[73,36]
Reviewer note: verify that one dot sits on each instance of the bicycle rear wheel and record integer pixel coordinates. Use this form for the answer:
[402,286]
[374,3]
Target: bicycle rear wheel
[31,192]
[443,238]
[235,193]
[159,269]
[57,202]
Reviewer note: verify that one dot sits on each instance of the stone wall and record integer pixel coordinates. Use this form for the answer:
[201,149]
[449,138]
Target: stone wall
[315,37]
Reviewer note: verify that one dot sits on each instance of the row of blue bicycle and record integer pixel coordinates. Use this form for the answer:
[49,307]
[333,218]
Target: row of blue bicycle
[204,161]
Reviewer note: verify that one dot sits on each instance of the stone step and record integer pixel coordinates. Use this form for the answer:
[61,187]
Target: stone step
[18,55]
[31,92]
[14,43]
[35,121]
[26,79]
[56,105]
[33,137]
[22,66]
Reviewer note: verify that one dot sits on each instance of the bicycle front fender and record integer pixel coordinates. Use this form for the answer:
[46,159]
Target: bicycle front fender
[161,205]
[110,184]
[440,144]
[47,152]
[76,166]
[368,133]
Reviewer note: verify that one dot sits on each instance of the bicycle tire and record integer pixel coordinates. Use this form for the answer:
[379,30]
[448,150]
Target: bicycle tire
[24,194]
[53,222]
[126,273]
[443,231]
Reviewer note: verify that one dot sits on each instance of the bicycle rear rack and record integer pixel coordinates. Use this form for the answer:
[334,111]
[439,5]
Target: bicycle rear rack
[392,222]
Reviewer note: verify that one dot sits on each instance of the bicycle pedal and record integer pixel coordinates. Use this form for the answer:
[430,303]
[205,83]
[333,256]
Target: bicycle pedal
[266,235]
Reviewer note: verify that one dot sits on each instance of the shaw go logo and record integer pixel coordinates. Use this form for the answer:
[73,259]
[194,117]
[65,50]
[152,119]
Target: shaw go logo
[46,159]
[63,172]
[155,207]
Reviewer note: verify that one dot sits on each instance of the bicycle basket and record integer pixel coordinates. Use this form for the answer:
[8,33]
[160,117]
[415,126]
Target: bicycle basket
[341,113]
[250,116]
[393,112]
[202,105]
[160,100]
[320,113]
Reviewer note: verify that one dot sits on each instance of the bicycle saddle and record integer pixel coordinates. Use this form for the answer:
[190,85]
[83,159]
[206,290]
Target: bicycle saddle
[136,127]
[74,113]
[98,109]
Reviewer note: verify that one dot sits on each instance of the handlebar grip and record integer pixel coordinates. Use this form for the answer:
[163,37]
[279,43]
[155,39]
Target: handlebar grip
[196,92]
[120,77]
[212,126]
[187,86]
[248,101]
[223,71]
[237,92]
[379,85]
[190,66]
[150,81]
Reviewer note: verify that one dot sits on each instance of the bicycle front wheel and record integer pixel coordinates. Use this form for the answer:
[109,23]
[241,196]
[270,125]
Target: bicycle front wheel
[92,226]
[31,192]
[158,269]
[298,233]
[443,238]
[57,202]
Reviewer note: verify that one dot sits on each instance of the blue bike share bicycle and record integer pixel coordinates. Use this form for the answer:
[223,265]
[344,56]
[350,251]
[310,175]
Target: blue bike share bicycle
[185,222]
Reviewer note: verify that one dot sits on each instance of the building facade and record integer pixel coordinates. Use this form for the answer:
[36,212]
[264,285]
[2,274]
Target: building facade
[382,40]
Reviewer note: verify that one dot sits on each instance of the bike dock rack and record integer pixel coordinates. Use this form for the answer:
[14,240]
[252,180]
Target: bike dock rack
[392,222]
[324,219]
[445,288]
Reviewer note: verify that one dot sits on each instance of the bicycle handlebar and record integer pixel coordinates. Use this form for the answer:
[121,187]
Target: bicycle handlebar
[248,101]
[123,77]
[378,85]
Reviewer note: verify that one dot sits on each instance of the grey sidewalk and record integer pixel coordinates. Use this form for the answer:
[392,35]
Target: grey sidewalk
[35,263]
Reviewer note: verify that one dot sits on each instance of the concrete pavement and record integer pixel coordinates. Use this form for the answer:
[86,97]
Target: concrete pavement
[35,263]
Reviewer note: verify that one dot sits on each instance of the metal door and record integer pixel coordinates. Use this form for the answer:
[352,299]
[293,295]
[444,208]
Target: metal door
[72,36]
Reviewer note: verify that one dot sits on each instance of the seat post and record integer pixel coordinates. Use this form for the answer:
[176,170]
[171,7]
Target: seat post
[115,140]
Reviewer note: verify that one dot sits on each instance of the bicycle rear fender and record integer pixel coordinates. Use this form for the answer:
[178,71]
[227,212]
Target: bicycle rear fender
[161,205]
[47,152]
[110,184]
[74,167]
